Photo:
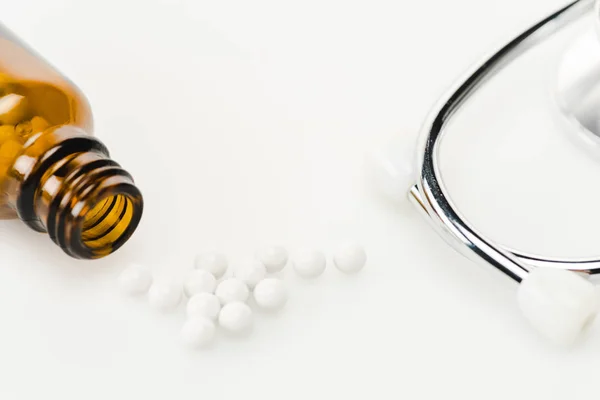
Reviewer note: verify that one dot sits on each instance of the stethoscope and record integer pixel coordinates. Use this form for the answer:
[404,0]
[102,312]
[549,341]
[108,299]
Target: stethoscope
[555,295]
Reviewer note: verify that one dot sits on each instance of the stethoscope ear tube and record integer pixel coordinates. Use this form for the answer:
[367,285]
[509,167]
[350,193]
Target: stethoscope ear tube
[555,295]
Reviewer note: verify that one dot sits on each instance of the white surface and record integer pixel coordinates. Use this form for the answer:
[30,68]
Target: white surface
[560,304]
[246,122]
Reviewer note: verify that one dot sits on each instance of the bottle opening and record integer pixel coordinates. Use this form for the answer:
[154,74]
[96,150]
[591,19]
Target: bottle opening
[99,224]
[84,200]
[107,222]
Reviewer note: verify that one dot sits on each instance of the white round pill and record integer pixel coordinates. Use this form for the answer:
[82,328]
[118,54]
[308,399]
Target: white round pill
[270,294]
[135,280]
[199,281]
[273,257]
[250,272]
[309,263]
[203,305]
[215,263]
[232,289]
[197,332]
[350,258]
[164,296]
[236,317]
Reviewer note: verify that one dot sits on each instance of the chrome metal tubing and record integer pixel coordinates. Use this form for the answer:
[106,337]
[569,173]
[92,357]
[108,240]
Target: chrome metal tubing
[430,195]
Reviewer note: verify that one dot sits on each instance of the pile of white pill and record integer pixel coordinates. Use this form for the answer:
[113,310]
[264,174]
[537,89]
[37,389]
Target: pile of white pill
[216,298]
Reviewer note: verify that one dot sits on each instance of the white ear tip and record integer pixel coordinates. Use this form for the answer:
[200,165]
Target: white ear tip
[559,304]
[391,170]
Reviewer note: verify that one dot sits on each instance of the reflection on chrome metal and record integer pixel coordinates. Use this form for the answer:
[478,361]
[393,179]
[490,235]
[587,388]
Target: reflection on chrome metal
[578,88]
[430,195]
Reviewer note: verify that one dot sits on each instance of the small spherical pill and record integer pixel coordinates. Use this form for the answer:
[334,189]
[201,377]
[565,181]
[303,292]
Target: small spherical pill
[273,257]
[198,332]
[236,317]
[38,124]
[250,272]
[309,263]
[199,281]
[135,280]
[164,296]
[205,305]
[215,263]
[350,258]
[13,108]
[270,294]
[232,289]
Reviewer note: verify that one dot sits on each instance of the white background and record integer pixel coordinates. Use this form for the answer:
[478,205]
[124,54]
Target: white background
[246,122]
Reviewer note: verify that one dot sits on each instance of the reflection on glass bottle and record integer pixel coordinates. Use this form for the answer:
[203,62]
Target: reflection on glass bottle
[54,175]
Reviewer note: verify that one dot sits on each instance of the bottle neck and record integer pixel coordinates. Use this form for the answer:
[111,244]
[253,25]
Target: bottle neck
[66,185]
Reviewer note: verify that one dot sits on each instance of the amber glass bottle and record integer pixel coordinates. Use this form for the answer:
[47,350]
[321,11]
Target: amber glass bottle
[54,175]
